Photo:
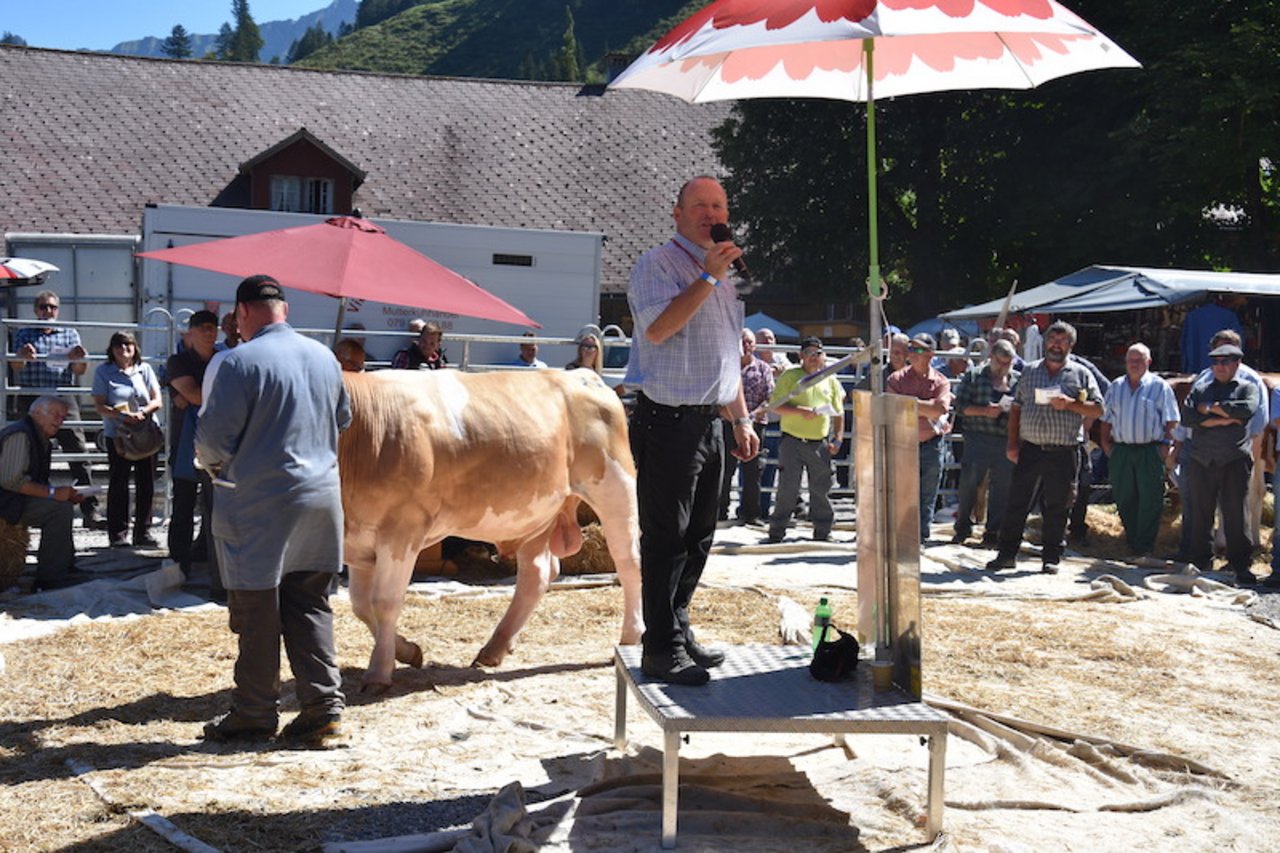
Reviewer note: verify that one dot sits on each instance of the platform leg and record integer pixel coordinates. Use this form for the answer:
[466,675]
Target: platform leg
[620,708]
[937,770]
[670,787]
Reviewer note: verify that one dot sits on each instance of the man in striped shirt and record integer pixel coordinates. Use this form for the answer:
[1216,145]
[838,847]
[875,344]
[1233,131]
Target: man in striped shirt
[1138,417]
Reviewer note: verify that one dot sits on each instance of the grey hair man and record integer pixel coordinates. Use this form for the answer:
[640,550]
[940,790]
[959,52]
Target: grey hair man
[26,495]
[984,398]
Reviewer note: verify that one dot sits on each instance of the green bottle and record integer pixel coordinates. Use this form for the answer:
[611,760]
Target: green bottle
[821,622]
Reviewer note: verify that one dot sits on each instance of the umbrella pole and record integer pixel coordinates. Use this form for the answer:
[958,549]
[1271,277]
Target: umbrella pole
[882,616]
[342,313]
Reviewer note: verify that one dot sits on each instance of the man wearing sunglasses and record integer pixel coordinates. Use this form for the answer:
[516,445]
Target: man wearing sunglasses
[1219,460]
[51,357]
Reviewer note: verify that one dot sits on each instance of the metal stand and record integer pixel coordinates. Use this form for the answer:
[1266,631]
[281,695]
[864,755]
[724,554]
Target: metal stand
[768,689]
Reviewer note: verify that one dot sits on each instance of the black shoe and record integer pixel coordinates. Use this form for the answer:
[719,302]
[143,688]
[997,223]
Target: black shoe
[990,540]
[1244,577]
[145,540]
[312,729]
[1049,568]
[960,538]
[822,536]
[771,539]
[1001,562]
[235,726]
[119,541]
[703,656]
[674,668]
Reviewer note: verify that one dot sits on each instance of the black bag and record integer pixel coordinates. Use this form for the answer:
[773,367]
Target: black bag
[136,441]
[835,661]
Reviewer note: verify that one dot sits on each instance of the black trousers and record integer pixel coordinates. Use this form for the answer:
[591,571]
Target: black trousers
[1055,468]
[297,611]
[120,470]
[749,505]
[1224,484]
[679,456]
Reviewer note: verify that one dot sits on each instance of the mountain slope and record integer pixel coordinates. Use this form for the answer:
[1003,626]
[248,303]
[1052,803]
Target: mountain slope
[277,36]
[493,38]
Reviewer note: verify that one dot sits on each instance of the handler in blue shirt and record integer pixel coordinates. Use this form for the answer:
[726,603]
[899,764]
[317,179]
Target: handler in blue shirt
[269,433]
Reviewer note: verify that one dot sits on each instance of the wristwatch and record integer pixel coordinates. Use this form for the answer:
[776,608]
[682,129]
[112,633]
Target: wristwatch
[744,421]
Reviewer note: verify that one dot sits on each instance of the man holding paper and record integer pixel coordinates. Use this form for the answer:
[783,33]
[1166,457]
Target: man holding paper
[1053,398]
[812,428]
[984,399]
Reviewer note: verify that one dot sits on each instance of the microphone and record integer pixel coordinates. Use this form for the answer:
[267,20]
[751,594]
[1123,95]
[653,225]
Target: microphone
[720,234]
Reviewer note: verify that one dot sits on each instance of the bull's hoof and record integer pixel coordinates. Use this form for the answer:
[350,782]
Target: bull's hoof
[489,657]
[375,688]
[410,655]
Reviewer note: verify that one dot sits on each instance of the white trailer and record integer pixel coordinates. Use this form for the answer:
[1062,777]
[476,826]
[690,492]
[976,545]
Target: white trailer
[553,276]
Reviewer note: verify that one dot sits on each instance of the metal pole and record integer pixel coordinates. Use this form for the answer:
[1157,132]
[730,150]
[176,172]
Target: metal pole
[880,499]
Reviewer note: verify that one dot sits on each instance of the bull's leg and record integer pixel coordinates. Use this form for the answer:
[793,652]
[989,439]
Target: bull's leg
[536,568]
[614,501]
[377,596]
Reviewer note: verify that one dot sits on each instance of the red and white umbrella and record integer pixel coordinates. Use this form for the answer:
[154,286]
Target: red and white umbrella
[819,49]
[24,271]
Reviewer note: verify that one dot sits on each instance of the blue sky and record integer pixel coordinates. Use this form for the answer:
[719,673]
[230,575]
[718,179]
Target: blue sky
[102,24]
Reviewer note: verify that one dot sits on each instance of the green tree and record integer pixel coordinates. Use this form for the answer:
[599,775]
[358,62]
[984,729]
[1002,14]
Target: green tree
[222,44]
[178,44]
[246,43]
[11,38]
[569,62]
[312,40]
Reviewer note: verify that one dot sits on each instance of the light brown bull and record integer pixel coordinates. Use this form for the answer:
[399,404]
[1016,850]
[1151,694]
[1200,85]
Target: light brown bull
[497,457]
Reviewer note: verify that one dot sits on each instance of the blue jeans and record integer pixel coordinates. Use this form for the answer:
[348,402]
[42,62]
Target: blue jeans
[983,454]
[930,476]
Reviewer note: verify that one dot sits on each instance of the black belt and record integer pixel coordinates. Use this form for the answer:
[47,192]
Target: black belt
[806,440]
[705,409]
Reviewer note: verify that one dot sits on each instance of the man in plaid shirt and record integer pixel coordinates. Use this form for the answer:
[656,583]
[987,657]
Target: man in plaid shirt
[757,387]
[984,400]
[50,357]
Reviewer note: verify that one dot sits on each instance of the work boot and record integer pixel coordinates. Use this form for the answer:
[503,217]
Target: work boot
[312,729]
[675,667]
[1001,562]
[235,726]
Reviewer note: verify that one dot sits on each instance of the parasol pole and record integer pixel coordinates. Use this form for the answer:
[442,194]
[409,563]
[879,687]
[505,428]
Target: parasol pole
[881,617]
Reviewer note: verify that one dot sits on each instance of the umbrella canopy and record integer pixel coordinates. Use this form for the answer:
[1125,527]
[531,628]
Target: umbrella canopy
[761,320]
[817,49]
[347,257]
[24,271]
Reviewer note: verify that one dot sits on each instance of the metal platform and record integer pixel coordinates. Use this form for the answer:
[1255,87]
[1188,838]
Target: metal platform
[768,689]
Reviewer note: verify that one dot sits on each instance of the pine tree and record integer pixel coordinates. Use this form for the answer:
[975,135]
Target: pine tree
[222,44]
[178,44]
[312,40]
[569,59]
[246,44]
[13,39]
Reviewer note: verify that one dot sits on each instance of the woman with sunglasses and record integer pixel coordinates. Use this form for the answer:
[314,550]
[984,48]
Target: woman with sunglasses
[126,391]
[589,355]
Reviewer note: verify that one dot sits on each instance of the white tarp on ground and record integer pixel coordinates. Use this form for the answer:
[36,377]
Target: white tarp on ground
[1097,289]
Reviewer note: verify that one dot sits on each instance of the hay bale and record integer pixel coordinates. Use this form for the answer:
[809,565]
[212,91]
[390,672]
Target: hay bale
[593,557]
[14,540]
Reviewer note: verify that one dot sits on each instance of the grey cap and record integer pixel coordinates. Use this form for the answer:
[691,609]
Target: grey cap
[1227,350]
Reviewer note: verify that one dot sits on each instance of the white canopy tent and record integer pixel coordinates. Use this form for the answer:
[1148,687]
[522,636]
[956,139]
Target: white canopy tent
[1098,289]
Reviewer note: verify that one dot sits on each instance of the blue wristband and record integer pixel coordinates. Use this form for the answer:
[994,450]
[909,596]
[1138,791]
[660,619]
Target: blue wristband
[710,279]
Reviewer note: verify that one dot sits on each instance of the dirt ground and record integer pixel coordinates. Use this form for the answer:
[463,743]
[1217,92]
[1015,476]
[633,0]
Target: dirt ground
[100,722]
